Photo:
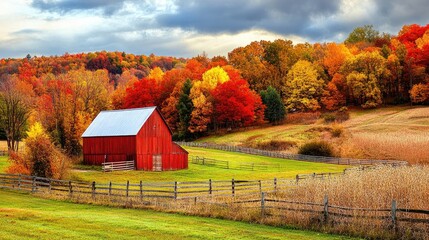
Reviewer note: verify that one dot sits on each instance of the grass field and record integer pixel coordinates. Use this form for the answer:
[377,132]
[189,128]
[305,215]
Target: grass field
[199,172]
[23,216]
[3,163]
[399,132]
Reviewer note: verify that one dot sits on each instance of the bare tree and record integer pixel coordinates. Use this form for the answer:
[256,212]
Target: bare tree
[15,107]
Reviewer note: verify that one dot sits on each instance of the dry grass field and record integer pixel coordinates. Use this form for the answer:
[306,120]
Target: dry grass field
[399,133]
[392,133]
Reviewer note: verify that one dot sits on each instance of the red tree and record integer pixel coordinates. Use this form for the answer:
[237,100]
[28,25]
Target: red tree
[143,93]
[235,104]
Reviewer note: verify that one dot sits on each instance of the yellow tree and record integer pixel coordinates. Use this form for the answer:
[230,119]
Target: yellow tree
[303,87]
[156,74]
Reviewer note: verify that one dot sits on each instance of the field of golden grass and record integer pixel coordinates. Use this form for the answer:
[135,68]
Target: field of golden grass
[397,133]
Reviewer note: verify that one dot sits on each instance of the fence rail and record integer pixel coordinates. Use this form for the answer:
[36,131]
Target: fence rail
[234,195]
[117,166]
[299,157]
[237,166]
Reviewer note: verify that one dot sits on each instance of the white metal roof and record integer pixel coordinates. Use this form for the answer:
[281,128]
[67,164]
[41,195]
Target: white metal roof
[125,122]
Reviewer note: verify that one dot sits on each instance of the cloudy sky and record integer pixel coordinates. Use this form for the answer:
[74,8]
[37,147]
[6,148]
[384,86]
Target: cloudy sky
[186,28]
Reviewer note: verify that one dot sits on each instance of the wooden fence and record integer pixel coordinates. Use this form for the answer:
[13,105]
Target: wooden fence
[265,197]
[237,166]
[174,190]
[117,166]
[270,205]
[299,157]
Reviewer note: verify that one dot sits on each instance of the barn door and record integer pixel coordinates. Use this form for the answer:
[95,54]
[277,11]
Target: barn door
[157,162]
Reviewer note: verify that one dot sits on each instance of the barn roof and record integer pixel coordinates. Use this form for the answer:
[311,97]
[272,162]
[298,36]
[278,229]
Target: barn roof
[126,122]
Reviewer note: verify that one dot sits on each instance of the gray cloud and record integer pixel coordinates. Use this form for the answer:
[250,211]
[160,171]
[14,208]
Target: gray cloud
[107,7]
[280,16]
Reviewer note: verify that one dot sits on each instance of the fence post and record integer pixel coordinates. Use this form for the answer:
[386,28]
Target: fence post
[110,188]
[275,184]
[70,189]
[33,185]
[19,181]
[50,185]
[262,204]
[175,190]
[128,188]
[393,213]
[325,208]
[210,187]
[141,190]
[93,190]
[233,187]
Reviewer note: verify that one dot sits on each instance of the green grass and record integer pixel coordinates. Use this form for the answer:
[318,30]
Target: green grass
[199,172]
[4,163]
[23,216]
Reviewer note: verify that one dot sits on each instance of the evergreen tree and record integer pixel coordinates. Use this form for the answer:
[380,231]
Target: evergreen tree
[184,108]
[275,111]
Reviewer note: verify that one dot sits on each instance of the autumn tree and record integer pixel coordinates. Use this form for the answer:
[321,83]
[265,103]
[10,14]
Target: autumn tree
[303,87]
[420,93]
[332,99]
[275,110]
[202,99]
[234,104]
[143,93]
[184,108]
[43,158]
[15,107]
[335,56]
[364,89]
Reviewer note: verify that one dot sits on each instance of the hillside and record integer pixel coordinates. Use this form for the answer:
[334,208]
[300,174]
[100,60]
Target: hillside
[399,133]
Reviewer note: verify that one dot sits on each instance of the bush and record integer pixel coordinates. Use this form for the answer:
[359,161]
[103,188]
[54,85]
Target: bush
[275,145]
[337,130]
[342,114]
[41,157]
[316,148]
[329,117]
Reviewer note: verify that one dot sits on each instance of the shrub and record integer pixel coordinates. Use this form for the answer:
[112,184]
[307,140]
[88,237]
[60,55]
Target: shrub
[41,157]
[275,145]
[329,117]
[316,148]
[342,114]
[337,130]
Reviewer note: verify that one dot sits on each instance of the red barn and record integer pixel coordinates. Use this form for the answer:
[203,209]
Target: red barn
[140,135]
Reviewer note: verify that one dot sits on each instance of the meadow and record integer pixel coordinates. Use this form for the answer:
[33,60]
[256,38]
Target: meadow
[397,133]
[289,169]
[23,216]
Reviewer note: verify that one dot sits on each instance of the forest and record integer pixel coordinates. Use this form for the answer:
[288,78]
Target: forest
[253,85]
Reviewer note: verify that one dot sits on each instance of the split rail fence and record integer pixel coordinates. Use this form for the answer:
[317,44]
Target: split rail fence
[299,157]
[260,196]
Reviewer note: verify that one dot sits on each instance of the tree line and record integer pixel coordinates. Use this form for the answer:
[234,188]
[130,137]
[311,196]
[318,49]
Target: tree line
[256,83]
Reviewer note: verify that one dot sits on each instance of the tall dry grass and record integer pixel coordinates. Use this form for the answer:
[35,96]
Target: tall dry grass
[372,189]
[413,148]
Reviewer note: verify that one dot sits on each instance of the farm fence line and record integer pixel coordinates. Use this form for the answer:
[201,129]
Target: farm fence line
[299,157]
[262,199]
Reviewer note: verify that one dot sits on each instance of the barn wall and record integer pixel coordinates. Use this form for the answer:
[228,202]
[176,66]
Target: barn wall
[155,139]
[118,148]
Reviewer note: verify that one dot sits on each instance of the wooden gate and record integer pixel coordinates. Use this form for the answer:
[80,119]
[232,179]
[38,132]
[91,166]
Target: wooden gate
[157,162]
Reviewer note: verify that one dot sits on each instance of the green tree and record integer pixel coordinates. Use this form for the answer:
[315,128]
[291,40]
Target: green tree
[303,87]
[184,108]
[367,33]
[275,111]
